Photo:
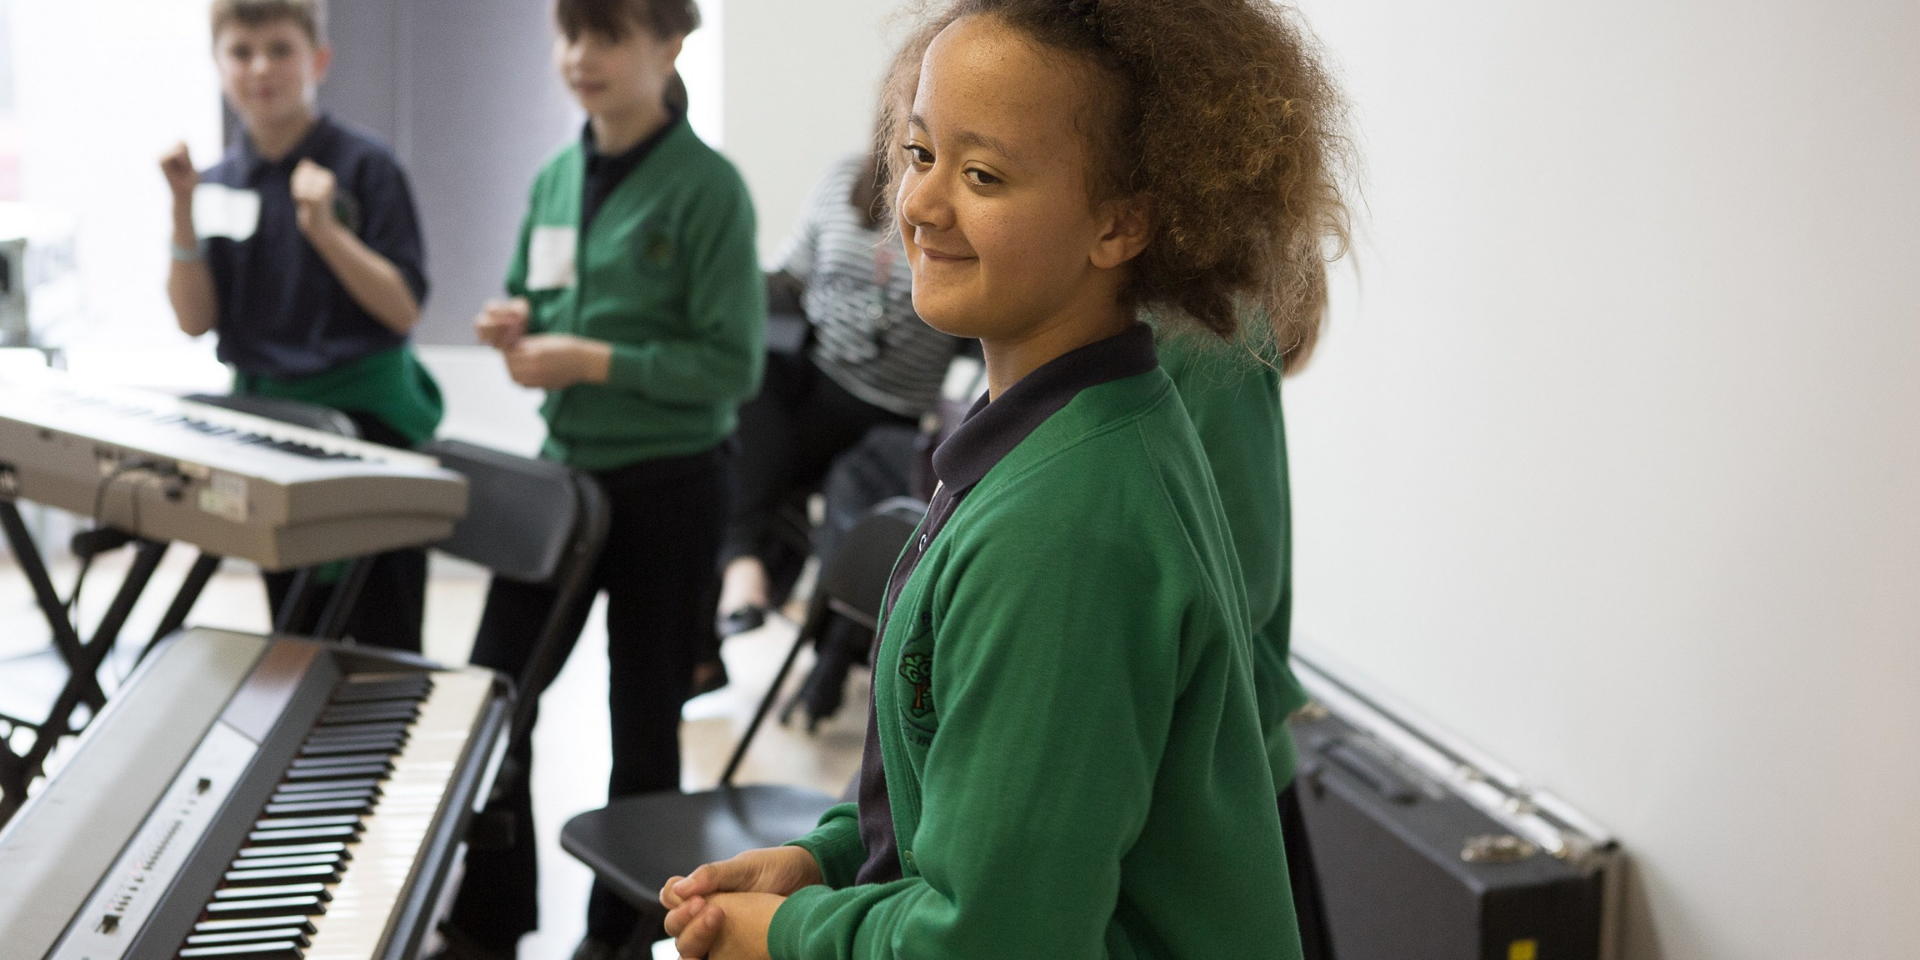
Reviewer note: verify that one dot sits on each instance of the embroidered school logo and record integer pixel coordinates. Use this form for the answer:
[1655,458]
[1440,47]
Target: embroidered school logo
[917,670]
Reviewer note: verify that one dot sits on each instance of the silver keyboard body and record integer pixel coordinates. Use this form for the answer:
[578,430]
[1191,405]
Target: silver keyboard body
[169,469]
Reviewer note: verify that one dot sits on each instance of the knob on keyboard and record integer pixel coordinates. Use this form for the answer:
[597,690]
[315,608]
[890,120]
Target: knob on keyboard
[273,898]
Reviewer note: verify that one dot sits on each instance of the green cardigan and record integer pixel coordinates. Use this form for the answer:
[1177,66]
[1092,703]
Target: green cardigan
[1065,707]
[667,273]
[1234,402]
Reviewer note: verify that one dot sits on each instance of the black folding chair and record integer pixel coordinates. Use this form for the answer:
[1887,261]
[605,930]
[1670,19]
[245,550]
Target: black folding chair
[535,521]
[635,844]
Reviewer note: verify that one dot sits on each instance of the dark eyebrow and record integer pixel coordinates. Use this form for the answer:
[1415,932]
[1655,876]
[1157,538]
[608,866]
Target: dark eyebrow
[970,138]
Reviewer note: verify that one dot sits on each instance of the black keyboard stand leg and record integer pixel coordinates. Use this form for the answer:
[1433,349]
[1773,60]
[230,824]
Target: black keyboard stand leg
[299,600]
[333,617]
[65,639]
[190,589]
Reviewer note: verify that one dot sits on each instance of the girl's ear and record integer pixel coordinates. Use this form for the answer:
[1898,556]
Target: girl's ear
[1129,224]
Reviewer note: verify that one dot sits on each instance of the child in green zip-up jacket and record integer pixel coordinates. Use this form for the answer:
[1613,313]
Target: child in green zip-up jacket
[636,302]
[1067,754]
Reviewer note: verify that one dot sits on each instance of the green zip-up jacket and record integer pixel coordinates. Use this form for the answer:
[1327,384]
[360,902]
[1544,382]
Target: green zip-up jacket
[1234,402]
[667,273]
[1066,717]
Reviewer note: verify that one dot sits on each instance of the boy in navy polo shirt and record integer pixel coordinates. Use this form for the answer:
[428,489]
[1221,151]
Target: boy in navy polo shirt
[302,248]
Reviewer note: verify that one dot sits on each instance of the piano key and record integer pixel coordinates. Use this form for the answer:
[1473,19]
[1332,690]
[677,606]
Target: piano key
[348,760]
[318,872]
[294,850]
[293,921]
[315,796]
[264,950]
[271,906]
[294,823]
[370,712]
[298,860]
[330,773]
[280,890]
[345,784]
[346,731]
[348,834]
[295,934]
[351,805]
[333,747]
[361,692]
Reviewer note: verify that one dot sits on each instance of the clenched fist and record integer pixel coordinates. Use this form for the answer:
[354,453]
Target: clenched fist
[177,165]
[313,187]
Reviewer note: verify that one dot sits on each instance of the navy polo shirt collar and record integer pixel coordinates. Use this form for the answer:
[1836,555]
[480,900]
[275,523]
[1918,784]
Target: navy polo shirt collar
[307,147]
[605,171]
[992,429]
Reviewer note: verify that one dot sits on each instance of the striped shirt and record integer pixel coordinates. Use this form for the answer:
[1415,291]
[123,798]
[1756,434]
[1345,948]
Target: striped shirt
[859,298]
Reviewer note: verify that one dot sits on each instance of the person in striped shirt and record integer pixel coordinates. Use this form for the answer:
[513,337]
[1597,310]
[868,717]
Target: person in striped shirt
[868,361]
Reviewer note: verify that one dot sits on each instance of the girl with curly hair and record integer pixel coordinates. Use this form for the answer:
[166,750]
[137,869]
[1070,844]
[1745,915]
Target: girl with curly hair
[1066,757]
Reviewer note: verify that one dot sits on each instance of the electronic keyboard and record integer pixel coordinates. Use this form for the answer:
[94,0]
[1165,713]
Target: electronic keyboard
[255,798]
[232,484]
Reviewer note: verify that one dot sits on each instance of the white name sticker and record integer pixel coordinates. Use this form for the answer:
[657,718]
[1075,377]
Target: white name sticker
[550,258]
[222,211]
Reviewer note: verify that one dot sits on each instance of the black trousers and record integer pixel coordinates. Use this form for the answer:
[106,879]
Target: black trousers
[391,605]
[1308,907]
[660,575]
[789,436]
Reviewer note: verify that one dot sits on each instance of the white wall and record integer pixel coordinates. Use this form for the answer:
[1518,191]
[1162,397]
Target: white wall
[1608,462]
[800,80]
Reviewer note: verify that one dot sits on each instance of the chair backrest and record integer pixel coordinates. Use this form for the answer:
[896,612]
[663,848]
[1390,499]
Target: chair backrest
[522,514]
[310,416]
[854,583]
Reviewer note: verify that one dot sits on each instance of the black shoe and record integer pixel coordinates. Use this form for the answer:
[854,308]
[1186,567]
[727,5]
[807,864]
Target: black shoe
[455,944]
[734,622]
[707,677]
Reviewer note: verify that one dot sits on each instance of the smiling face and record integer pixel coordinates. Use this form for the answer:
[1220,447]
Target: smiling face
[269,71]
[614,76]
[994,201]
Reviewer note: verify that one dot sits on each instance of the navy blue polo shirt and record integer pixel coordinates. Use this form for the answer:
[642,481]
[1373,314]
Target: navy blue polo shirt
[282,313]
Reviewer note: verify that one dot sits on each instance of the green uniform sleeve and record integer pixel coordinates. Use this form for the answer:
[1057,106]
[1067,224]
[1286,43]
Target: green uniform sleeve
[719,361]
[836,846]
[1049,690]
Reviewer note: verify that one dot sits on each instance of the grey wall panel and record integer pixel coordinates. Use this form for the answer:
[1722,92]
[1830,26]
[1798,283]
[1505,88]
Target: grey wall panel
[465,91]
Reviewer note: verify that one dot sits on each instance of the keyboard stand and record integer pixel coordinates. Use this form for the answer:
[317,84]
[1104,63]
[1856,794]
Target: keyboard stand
[83,658]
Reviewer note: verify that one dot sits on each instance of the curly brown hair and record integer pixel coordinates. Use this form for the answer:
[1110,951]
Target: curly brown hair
[1223,115]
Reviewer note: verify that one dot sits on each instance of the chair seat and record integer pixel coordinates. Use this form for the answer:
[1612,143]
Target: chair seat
[635,844]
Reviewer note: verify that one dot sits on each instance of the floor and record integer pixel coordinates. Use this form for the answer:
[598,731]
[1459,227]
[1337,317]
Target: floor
[570,745]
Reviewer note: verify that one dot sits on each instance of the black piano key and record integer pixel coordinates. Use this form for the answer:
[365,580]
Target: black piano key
[348,834]
[293,920]
[272,892]
[387,745]
[294,823]
[328,785]
[340,773]
[297,860]
[317,796]
[295,934]
[352,805]
[347,731]
[347,760]
[318,873]
[267,907]
[387,710]
[292,850]
[362,692]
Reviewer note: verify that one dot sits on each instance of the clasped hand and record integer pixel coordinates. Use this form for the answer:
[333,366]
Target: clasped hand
[547,361]
[722,910]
